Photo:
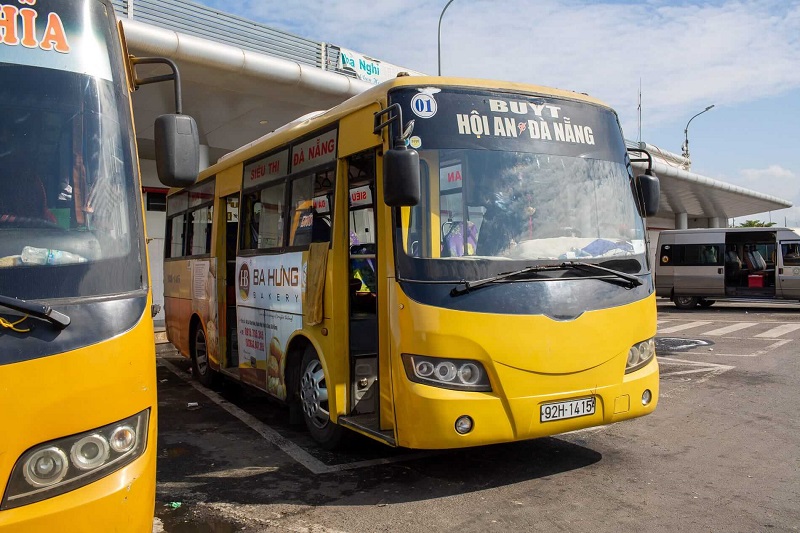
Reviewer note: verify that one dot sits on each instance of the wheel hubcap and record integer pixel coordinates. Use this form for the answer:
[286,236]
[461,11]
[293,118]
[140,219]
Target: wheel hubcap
[200,352]
[314,395]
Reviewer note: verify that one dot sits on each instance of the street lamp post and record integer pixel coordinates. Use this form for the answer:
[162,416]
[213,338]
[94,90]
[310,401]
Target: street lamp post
[686,135]
[439,42]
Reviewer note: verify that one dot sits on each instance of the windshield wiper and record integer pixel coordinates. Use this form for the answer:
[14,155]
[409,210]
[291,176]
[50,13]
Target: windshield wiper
[631,280]
[42,312]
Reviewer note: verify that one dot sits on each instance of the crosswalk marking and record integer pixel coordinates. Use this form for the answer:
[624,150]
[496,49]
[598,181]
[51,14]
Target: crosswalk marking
[778,331]
[682,327]
[729,329]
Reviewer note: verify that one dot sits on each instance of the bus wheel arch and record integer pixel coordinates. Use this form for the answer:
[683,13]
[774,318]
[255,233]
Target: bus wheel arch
[312,396]
[294,359]
[198,351]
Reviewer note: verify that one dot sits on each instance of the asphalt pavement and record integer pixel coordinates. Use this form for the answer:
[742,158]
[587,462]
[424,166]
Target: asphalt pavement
[720,453]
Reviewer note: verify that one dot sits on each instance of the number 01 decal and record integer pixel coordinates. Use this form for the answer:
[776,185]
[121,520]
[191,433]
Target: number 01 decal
[423,105]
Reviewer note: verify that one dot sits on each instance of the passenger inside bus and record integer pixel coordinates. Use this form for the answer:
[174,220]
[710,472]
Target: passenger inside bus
[363,279]
[456,244]
[710,255]
[501,218]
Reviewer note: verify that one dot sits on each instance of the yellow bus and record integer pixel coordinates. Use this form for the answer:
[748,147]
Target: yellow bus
[492,285]
[77,362]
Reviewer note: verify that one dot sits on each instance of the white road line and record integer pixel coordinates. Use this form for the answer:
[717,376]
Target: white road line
[778,331]
[682,327]
[768,349]
[729,329]
[273,437]
[711,369]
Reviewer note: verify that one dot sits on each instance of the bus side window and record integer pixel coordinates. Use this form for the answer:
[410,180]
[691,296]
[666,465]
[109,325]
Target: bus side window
[175,236]
[418,238]
[262,213]
[302,212]
[710,255]
[310,204]
[791,254]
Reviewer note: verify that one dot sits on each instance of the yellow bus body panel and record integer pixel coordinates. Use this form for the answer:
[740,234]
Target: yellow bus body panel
[68,393]
[531,360]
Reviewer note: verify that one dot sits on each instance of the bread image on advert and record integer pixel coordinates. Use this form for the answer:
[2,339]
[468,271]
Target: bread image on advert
[275,367]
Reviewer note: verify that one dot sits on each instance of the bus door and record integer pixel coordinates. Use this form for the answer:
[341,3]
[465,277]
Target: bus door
[363,294]
[788,270]
[231,225]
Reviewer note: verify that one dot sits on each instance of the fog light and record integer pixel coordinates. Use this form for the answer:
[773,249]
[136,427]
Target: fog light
[647,396]
[463,425]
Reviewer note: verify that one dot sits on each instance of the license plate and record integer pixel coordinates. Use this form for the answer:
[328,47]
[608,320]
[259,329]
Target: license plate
[569,409]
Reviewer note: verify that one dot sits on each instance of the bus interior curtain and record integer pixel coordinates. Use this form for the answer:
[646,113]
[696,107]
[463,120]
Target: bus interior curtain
[317,262]
[78,171]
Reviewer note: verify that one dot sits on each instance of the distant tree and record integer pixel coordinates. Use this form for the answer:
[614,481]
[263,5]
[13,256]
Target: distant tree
[756,224]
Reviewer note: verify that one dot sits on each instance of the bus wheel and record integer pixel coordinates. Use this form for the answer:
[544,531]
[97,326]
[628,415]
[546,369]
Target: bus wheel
[314,401]
[705,303]
[684,302]
[201,370]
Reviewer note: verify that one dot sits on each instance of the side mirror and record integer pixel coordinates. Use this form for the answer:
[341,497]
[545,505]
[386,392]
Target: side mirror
[177,150]
[401,177]
[649,190]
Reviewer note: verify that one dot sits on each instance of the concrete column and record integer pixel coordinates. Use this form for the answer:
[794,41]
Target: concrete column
[681,221]
[203,157]
[714,222]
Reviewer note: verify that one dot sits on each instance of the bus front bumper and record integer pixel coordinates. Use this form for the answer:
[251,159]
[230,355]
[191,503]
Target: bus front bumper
[428,417]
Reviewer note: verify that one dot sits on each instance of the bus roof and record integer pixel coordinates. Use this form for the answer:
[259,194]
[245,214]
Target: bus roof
[318,119]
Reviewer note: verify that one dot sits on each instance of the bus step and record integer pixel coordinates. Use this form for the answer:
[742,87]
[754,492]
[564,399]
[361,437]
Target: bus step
[368,425]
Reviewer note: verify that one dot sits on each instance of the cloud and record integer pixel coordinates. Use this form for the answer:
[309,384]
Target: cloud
[774,180]
[772,172]
[687,54]
[777,181]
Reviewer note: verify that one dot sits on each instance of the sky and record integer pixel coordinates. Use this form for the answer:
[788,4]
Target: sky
[742,56]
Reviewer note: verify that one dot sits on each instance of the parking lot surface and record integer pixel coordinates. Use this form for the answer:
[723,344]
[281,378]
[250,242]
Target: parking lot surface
[720,453]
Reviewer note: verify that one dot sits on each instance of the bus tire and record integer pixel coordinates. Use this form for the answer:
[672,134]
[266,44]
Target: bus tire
[314,402]
[201,369]
[684,302]
[704,303]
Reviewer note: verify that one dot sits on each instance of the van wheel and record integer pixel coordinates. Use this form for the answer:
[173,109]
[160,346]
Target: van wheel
[684,302]
[201,370]
[705,303]
[314,401]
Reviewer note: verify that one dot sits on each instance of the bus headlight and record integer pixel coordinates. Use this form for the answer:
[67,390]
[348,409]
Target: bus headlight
[62,465]
[640,354]
[456,374]
[45,467]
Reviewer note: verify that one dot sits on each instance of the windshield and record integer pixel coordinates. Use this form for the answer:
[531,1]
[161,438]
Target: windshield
[70,213]
[497,195]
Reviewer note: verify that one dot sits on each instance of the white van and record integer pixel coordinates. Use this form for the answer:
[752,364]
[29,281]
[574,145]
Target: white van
[700,266]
